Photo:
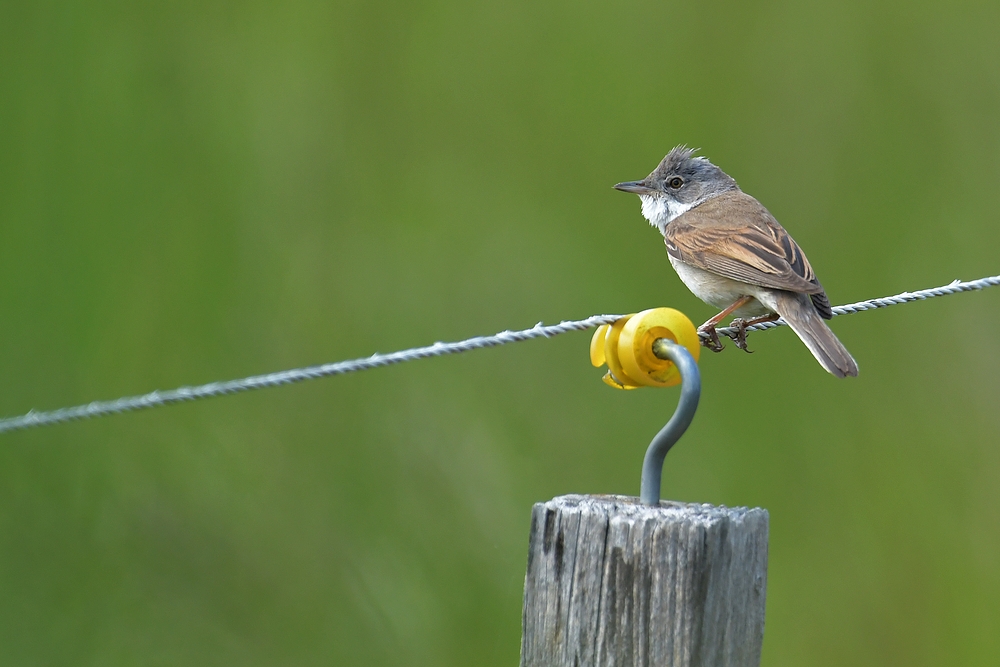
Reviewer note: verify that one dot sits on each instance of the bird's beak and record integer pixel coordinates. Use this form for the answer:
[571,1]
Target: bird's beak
[635,187]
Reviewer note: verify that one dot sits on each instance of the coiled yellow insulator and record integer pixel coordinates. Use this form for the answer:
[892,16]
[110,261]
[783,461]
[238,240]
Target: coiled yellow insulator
[626,346]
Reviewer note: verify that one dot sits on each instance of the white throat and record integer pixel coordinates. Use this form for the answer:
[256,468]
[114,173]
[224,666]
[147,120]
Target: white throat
[660,211]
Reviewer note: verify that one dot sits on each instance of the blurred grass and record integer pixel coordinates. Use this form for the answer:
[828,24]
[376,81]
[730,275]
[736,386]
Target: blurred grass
[191,192]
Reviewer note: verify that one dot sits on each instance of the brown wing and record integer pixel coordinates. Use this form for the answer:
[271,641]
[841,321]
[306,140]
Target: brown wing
[736,237]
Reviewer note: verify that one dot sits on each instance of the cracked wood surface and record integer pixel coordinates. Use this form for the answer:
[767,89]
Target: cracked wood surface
[613,582]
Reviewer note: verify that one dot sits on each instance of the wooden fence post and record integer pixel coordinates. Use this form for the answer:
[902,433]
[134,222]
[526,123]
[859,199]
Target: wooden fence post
[611,581]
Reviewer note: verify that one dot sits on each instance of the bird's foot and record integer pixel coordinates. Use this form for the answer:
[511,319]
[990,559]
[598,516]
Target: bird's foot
[712,342]
[739,336]
[740,325]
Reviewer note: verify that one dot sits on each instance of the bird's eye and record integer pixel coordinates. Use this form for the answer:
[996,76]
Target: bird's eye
[676,182]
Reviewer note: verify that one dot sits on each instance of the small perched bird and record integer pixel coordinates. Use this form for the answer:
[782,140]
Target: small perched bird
[732,254]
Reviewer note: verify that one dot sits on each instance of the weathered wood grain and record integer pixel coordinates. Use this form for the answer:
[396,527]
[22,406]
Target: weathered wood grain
[613,582]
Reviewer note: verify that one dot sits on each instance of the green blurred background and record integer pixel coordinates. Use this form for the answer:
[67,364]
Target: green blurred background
[193,191]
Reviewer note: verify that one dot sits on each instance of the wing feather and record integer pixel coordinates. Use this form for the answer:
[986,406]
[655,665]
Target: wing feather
[735,236]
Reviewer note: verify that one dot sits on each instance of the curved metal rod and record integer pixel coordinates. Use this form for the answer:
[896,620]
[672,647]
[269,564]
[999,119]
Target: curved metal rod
[652,464]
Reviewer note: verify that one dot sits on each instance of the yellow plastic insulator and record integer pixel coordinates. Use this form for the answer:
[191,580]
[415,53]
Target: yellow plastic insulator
[627,348]
[604,350]
[616,376]
[635,346]
[597,345]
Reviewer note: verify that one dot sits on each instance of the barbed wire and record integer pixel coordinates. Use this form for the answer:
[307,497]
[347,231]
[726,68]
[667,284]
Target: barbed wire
[155,399]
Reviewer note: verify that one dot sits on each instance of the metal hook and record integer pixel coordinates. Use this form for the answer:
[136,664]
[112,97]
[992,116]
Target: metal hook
[652,464]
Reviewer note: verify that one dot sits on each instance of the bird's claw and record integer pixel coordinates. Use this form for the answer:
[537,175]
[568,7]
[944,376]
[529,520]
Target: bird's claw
[712,342]
[739,334]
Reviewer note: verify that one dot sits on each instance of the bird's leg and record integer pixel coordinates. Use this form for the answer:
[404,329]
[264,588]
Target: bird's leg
[740,335]
[712,342]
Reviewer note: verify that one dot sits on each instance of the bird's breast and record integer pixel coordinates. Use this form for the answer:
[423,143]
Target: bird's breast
[717,290]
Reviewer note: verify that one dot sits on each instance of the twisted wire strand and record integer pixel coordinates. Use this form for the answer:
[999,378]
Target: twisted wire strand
[158,398]
[183,394]
[954,287]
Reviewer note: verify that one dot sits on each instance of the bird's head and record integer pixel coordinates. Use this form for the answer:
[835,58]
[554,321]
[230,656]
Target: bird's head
[679,183]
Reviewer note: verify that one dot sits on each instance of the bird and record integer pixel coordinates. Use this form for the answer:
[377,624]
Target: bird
[733,254]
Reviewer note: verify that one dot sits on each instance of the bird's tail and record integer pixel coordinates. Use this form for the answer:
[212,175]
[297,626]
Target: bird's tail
[801,315]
